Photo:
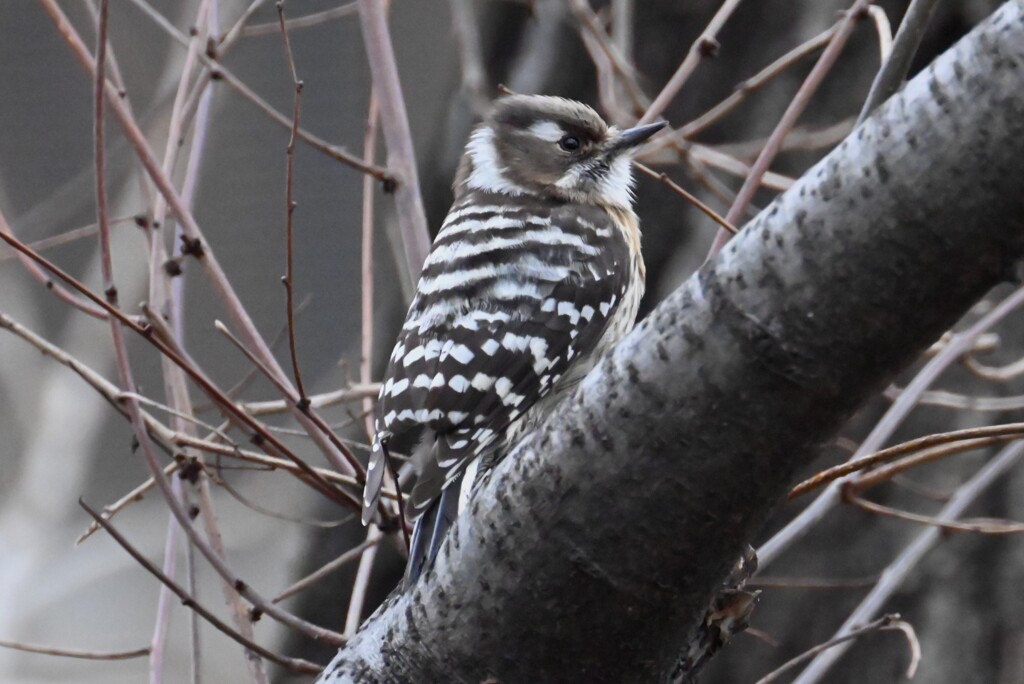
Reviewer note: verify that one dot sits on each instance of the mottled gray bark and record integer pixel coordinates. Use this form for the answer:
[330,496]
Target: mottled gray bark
[591,553]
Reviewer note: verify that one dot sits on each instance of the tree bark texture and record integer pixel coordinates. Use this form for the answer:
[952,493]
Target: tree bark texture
[593,550]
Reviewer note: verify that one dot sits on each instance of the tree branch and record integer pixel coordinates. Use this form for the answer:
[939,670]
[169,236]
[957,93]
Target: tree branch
[593,551]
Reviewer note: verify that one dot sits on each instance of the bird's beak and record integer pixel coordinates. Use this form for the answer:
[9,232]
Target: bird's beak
[631,137]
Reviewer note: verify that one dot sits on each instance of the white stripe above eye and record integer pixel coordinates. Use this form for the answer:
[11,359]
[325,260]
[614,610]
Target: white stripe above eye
[547,130]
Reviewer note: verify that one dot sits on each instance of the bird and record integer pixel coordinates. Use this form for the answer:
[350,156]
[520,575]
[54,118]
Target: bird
[534,274]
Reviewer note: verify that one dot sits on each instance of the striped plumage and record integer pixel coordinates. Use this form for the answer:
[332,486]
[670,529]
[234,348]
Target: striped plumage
[534,273]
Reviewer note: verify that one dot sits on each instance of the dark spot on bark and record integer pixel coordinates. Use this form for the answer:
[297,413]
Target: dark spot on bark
[883,168]
[633,373]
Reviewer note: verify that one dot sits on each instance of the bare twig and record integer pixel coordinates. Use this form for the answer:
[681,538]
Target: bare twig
[884,624]
[884,30]
[412,221]
[621,68]
[900,568]
[354,616]
[366,267]
[288,280]
[1009,430]
[995,373]
[336,564]
[66,237]
[679,190]
[471,61]
[705,45]
[745,88]
[218,71]
[899,410]
[895,68]
[40,275]
[72,653]
[980,525]
[262,435]
[199,247]
[295,664]
[789,118]
[306,21]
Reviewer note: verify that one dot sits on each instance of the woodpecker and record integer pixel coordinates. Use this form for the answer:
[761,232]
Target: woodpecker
[534,274]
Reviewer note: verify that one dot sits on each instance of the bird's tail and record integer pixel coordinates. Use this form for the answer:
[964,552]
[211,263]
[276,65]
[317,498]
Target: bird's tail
[375,469]
[431,529]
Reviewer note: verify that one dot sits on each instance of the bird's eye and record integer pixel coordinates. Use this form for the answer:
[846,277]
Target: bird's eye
[569,143]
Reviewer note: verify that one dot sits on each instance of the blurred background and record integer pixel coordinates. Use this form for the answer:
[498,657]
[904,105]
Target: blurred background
[59,440]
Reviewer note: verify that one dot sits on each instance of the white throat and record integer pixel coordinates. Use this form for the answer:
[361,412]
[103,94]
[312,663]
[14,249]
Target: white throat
[615,187]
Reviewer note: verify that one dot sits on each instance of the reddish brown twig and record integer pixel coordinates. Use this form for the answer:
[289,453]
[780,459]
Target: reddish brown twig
[288,280]
[706,44]
[789,118]
[887,623]
[75,653]
[295,664]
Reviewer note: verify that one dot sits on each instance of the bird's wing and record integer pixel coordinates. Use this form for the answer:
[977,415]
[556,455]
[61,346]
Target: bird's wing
[509,300]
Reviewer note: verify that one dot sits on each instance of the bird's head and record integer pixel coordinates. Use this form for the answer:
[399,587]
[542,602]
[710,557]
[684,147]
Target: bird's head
[553,147]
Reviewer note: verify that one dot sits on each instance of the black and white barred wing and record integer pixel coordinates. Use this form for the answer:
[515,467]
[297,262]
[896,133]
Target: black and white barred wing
[509,300]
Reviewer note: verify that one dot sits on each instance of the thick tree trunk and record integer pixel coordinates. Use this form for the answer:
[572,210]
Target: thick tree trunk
[591,553]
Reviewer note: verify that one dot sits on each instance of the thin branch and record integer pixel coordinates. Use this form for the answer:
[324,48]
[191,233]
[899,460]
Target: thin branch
[884,30]
[288,280]
[705,45]
[219,72]
[746,88]
[325,570]
[412,221]
[995,373]
[40,275]
[361,585]
[341,396]
[471,60]
[306,21]
[789,117]
[894,575]
[1008,430]
[263,436]
[980,525]
[887,623]
[295,664]
[682,192]
[592,31]
[236,389]
[301,404]
[893,418]
[72,653]
[895,68]
[66,237]
[964,402]
[198,246]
